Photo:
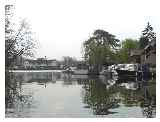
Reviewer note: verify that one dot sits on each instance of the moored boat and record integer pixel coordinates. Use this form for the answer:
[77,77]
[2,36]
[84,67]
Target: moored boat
[68,70]
[127,70]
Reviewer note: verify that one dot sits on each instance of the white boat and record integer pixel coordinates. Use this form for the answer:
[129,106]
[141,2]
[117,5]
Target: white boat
[127,69]
[109,71]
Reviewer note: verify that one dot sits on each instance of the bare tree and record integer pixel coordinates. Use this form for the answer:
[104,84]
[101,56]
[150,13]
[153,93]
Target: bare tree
[69,61]
[18,42]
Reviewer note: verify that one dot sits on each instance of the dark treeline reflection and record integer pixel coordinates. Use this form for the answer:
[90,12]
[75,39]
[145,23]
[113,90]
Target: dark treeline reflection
[99,94]
[102,98]
[14,97]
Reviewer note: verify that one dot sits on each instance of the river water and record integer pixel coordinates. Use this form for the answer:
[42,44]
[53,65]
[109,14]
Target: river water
[55,94]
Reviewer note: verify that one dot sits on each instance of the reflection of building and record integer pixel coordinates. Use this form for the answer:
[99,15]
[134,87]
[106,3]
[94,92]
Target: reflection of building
[38,76]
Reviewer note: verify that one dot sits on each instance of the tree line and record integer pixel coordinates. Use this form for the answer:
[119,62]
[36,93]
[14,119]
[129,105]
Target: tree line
[103,48]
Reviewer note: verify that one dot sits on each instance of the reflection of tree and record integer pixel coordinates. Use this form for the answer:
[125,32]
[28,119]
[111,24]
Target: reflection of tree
[14,99]
[149,102]
[100,99]
[144,97]
[67,78]
[130,97]
[10,90]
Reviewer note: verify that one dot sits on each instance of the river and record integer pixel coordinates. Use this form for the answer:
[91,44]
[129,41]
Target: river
[55,94]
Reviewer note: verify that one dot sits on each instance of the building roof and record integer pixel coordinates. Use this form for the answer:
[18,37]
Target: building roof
[40,61]
[151,44]
[136,52]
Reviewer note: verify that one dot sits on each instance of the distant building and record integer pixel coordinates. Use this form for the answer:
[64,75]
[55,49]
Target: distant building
[52,62]
[149,54]
[145,56]
[35,64]
[28,63]
[136,56]
[41,63]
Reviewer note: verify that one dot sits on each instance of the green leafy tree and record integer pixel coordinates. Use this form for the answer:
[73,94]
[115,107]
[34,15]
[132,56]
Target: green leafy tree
[126,47]
[99,48]
[130,44]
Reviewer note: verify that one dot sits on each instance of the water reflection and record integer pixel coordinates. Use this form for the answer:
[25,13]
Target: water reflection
[16,100]
[98,98]
[88,96]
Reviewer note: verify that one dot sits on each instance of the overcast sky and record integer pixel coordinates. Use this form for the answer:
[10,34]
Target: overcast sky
[61,26]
